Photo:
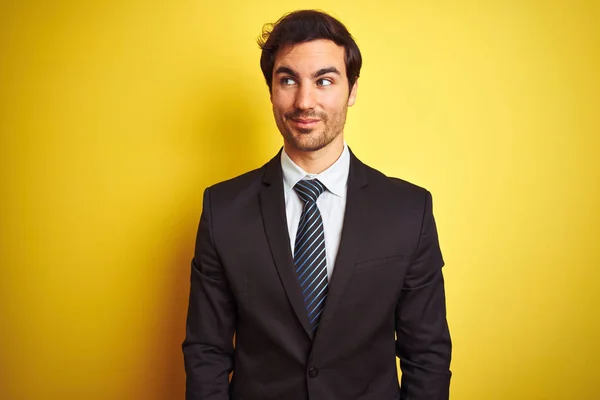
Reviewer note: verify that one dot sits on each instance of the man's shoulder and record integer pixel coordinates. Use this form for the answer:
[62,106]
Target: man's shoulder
[393,184]
[240,183]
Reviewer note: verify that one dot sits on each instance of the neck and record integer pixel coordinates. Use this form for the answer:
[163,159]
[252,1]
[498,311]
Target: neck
[315,162]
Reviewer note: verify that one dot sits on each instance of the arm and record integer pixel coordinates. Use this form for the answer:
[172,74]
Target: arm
[423,339]
[208,346]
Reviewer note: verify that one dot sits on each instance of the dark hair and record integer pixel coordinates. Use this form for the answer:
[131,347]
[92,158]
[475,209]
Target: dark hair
[304,26]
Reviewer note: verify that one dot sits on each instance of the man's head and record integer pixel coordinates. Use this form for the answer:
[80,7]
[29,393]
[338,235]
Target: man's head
[311,65]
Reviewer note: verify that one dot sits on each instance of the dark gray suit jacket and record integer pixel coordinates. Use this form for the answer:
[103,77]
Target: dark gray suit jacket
[387,281]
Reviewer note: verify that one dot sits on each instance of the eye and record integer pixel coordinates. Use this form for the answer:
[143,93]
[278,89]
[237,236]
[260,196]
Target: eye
[324,82]
[287,81]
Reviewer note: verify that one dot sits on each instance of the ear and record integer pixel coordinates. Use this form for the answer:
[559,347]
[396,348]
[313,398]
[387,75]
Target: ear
[352,97]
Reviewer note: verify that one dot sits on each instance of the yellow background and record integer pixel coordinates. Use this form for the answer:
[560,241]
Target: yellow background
[115,115]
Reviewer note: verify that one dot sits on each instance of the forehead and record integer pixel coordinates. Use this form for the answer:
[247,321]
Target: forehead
[311,56]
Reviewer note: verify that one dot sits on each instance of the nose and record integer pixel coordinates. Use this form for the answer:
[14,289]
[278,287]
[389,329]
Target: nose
[305,98]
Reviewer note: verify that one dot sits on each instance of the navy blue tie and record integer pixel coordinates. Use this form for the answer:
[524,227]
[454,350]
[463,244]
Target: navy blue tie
[309,251]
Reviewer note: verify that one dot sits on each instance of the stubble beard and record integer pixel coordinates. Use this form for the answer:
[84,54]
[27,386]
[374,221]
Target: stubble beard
[308,140]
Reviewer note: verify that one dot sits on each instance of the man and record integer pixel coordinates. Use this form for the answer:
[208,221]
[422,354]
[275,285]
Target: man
[322,268]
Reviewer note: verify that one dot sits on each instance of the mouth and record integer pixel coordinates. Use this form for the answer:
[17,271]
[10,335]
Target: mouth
[305,123]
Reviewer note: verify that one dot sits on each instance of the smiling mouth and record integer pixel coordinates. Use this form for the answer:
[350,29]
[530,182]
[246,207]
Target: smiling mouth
[305,123]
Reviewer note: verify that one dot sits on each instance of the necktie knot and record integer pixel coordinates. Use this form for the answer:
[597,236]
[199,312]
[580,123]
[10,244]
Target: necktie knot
[309,190]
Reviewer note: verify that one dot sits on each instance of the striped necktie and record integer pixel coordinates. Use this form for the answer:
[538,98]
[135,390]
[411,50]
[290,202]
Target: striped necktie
[309,251]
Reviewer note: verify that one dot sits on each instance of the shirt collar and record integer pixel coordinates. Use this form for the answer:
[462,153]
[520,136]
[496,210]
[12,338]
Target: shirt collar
[335,178]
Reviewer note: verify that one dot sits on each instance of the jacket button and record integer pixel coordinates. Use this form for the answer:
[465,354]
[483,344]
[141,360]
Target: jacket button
[313,372]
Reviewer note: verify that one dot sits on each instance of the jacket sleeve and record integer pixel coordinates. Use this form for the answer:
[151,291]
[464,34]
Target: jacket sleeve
[423,340]
[208,346]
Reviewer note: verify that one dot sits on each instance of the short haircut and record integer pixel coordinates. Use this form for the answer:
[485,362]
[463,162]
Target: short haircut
[305,26]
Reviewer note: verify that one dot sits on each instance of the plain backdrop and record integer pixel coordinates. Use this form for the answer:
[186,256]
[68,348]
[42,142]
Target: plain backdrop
[115,115]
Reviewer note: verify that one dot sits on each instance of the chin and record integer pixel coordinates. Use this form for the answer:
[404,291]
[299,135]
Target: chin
[310,148]
[307,142]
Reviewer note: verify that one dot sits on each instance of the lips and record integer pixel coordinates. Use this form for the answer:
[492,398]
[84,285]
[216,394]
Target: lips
[305,122]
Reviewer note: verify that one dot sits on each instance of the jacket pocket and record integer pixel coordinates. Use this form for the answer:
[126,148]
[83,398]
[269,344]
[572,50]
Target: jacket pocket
[377,262]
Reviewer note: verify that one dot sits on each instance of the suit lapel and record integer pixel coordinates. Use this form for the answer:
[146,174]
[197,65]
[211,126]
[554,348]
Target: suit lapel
[352,237]
[272,205]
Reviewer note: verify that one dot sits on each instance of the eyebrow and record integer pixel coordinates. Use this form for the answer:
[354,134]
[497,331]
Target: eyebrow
[322,71]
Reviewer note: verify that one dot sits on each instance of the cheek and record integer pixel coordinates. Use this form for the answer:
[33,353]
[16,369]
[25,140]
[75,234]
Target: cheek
[334,104]
[280,103]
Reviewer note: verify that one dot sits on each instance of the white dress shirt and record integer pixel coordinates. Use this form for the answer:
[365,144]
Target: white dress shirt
[331,203]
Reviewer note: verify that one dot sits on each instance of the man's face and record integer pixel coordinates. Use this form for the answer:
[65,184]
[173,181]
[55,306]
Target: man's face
[310,94]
